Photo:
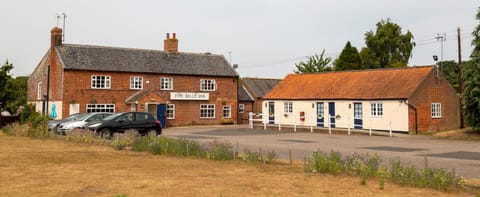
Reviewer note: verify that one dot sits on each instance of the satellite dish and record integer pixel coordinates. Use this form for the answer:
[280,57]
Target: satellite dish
[235,66]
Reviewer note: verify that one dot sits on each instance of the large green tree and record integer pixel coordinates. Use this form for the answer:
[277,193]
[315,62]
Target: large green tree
[349,59]
[450,72]
[314,64]
[13,90]
[471,75]
[390,47]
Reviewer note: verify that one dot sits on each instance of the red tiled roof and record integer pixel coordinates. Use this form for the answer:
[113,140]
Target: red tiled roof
[364,84]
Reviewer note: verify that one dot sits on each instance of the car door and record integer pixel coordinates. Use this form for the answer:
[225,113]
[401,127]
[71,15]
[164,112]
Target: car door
[125,122]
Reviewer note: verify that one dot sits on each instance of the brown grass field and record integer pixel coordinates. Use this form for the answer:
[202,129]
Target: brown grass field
[30,167]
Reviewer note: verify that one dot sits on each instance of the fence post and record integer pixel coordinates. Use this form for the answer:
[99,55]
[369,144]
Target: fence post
[348,124]
[305,163]
[454,179]
[329,126]
[290,156]
[370,130]
[390,126]
[294,123]
[187,150]
[250,120]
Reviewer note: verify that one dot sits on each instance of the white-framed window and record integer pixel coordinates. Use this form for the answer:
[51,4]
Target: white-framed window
[436,110]
[227,111]
[100,82]
[376,109]
[39,90]
[207,111]
[288,107]
[100,108]
[136,83]
[241,108]
[208,85]
[166,83]
[170,113]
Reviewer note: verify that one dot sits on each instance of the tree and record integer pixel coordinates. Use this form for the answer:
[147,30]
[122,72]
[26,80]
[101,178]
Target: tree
[471,76]
[368,59]
[392,48]
[5,80]
[315,63]
[349,59]
[450,72]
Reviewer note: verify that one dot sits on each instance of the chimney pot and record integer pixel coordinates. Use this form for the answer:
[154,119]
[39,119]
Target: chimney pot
[170,45]
[168,35]
[174,35]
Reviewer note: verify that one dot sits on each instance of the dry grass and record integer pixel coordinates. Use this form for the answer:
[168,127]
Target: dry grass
[460,134]
[56,168]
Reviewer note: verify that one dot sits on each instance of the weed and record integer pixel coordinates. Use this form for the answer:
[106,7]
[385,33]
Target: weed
[252,156]
[8,130]
[219,150]
[271,157]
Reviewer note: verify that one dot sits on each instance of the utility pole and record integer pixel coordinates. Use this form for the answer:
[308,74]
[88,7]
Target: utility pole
[460,81]
[441,38]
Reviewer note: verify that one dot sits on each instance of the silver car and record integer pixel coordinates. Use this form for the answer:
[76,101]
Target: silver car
[52,124]
[80,122]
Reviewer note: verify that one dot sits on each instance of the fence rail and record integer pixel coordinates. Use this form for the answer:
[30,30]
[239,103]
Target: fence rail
[350,125]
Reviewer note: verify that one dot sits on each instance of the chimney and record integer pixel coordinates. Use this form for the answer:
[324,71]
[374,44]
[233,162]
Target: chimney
[170,45]
[56,37]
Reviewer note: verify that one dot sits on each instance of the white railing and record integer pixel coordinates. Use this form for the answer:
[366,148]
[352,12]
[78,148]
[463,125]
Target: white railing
[252,118]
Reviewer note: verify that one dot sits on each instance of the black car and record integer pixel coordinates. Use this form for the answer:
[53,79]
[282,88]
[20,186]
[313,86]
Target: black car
[118,123]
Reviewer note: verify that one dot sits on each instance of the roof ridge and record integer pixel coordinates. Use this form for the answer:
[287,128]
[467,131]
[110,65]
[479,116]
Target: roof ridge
[136,49]
[261,78]
[365,70]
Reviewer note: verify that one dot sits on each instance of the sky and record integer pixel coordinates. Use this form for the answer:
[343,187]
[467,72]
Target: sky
[264,37]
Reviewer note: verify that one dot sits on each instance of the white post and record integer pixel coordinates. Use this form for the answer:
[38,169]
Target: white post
[370,130]
[348,124]
[329,125]
[311,129]
[264,125]
[390,125]
[250,120]
[294,123]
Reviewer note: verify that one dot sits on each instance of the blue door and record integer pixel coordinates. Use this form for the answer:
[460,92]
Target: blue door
[331,113]
[357,116]
[161,110]
[271,112]
[320,115]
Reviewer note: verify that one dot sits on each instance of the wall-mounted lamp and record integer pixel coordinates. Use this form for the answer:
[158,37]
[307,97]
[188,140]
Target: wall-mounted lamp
[349,106]
[313,105]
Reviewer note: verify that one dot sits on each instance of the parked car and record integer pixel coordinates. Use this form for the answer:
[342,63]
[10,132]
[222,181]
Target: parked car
[52,124]
[81,121]
[118,123]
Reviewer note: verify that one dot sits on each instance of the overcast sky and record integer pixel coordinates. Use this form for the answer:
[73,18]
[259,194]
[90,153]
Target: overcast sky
[265,38]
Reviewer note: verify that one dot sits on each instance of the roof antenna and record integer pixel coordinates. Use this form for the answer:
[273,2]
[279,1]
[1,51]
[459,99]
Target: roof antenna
[63,32]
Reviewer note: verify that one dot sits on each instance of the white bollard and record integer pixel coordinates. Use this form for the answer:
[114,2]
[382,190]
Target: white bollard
[329,128]
[390,125]
[279,127]
[264,126]
[370,130]
[348,124]
[311,129]
[294,123]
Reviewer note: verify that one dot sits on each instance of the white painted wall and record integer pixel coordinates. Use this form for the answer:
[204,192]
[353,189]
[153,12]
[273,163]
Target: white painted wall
[58,106]
[394,111]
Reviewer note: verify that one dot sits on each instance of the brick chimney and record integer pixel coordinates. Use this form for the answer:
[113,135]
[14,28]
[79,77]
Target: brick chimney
[56,37]
[170,45]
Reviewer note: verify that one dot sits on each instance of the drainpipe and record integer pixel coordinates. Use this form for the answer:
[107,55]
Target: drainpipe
[416,115]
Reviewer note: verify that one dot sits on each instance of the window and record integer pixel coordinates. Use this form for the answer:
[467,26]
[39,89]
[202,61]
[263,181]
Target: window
[288,107]
[100,82]
[357,110]
[166,84]
[39,90]
[136,83]
[100,108]
[227,111]
[436,110]
[208,85]
[241,108]
[376,109]
[207,111]
[170,113]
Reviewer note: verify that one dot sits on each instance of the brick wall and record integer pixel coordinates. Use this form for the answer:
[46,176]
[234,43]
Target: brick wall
[77,90]
[434,90]
[243,117]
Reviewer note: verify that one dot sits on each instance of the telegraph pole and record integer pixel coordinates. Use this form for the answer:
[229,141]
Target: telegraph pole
[460,81]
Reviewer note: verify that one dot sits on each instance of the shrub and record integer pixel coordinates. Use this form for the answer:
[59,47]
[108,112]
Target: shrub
[271,157]
[39,128]
[84,136]
[140,143]
[218,150]
[8,130]
[251,156]
[119,143]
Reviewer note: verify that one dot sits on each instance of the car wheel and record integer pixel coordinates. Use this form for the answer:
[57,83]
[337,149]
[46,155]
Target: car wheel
[106,133]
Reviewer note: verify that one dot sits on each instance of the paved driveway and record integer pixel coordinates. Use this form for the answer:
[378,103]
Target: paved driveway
[463,156]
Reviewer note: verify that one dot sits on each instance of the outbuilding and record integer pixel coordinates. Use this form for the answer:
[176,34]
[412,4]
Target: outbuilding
[408,100]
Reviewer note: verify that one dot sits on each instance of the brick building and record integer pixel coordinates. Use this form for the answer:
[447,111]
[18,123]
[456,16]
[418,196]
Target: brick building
[412,100]
[179,88]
